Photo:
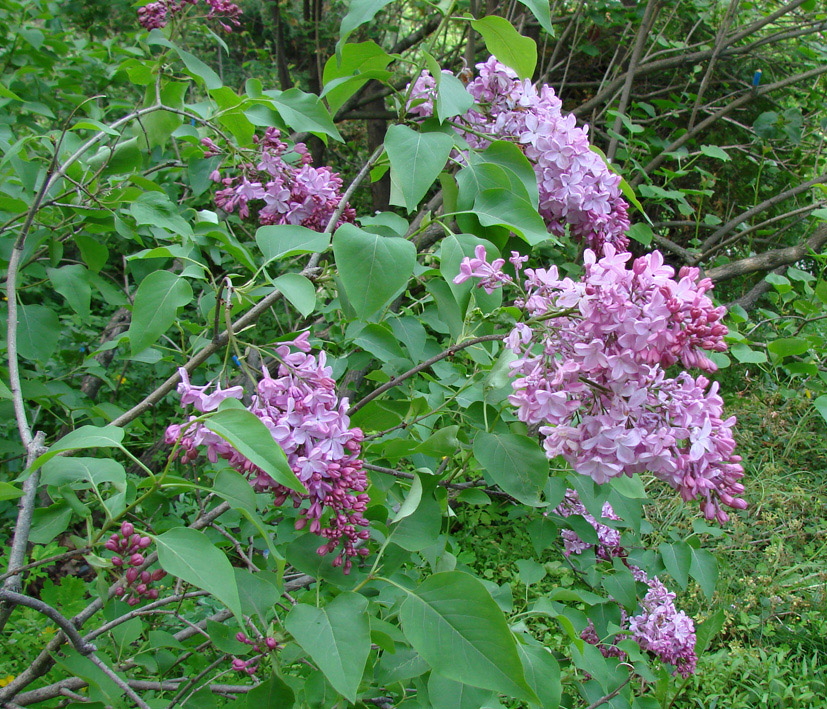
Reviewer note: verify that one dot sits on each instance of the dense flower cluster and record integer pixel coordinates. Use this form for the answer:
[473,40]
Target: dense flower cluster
[590,372]
[306,418]
[157,14]
[576,187]
[281,191]
[129,548]
[660,628]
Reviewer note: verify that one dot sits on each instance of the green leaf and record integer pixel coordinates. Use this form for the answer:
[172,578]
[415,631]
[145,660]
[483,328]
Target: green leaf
[235,489]
[81,438]
[704,569]
[540,10]
[420,529]
[155,209]
[48,522]
[299,290]
[676,558]
[416,161]
[706,631]
[249,436]
[744,354]
[530,571]
[542,674]
[358,13]
[302,111]
[508,45]
[713,151]
[286,240]
[516,165]
[621,587]
[9,492]
[454,624]
[359,63]
[788,346]
[257,594]
[273,693]
[516,463]
[452,98]
[157,301]
[337,638]
[445,693]
[380,341]
[821,405]
[412,500]
[72,283]
[32,322]
[210,79]
[95,471]
[373,268]
[187,554]
[503,207]
[641,233]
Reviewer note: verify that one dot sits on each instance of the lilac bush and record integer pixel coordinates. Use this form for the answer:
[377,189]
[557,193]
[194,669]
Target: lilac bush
[576,187]
[309,422]
[660,628]
[281,191]
[591,372]
[156,15]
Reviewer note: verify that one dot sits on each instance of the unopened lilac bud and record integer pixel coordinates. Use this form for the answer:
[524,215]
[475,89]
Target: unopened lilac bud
[271,643]
[136,559]
[146,577]
[117,561]
[241,637]
[134,601]
[158,574]
[144,542]
[152,593]
[131,575]
[127,528]
[119,590]
[141,589]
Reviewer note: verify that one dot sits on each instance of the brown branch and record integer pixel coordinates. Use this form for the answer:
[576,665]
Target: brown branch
[770,259]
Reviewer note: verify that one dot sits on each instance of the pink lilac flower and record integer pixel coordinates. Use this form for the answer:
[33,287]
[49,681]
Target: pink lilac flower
[660,628]
[575,185]
[129,548]
[306,418]
[590,372]
[281,192]
[157,14]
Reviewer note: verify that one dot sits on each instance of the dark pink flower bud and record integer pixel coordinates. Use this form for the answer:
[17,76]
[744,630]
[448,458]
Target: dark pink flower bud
[127,528]
[136,559]
[117,561]
[241,637]
[271,643]
[131,575]
[144,542]
[141,589]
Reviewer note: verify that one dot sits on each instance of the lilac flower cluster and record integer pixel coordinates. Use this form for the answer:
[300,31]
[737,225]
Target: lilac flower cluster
[307,419]
[129,548]
[590,372]
[250,667]
[281,192]
[660,628]
[576,187]
[156,15]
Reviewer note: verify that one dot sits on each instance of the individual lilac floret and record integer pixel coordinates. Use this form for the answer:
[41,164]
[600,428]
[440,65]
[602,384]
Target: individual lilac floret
[197,396]
[491,273]
[281,191]
[306,418]
[130,549]
[590,371]
[660,628]
[575,185]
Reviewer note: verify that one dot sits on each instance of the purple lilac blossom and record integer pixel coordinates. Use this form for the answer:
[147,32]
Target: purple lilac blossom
[281,192]
[300,407]
[130,548]
[660,628]
[156,15]
[576,187]
[590,371]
